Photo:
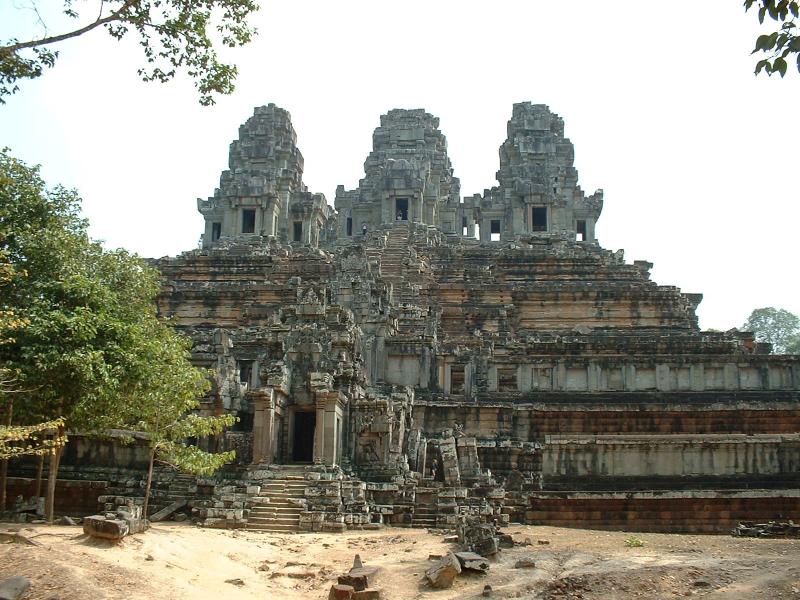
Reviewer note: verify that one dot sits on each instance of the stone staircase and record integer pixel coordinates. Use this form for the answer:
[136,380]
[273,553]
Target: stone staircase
[276,507]
[182,487]
[404,270]
[425,509]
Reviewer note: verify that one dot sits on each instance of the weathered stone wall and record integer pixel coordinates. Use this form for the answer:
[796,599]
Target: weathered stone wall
[690,512]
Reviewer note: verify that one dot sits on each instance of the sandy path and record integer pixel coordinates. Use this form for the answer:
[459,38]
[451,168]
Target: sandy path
[179,561]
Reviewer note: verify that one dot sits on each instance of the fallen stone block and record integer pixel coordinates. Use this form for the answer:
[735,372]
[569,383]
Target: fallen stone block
[341,592]
[359,576]
[14,587]
[472,562]
[366,595]
[167,511]
[109,529]
[442,574]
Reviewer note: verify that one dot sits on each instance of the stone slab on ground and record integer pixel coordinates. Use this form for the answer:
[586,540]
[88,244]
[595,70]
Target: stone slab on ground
[167,511]
[14,587]
[472,562]
[109,529]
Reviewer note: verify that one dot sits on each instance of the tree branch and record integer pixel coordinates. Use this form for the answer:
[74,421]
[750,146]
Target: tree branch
[114,16]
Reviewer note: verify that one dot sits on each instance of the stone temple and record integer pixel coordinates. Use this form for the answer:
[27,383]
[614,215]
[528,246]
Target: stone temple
[412,356]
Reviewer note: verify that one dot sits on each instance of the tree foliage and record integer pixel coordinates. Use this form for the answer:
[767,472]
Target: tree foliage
[87,344]
[174,35]
[165,401]
[781,46]
[776,326]
[31,440]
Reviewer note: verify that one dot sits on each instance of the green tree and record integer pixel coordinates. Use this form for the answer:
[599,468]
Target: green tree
[776,326]
[781,45]
[89,348]
[165,399]
[174,34]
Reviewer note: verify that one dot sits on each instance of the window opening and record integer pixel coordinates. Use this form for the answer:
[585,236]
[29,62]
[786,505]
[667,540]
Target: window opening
[580,226]
[457,379]
[506,379]
[539,218]
[248,220]
[495,230]
[245,371]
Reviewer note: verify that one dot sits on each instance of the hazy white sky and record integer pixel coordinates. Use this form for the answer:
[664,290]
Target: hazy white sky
[697,157]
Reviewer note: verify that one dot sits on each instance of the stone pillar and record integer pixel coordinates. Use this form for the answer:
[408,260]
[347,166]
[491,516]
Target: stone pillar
[697,377]
[319,433]
[263,427]
[662,378]
[449,466]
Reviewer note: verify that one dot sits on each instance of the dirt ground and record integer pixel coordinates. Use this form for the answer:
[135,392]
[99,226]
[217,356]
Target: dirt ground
[181,561]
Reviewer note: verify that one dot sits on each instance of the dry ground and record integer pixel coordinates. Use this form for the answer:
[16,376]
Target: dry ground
[180,561]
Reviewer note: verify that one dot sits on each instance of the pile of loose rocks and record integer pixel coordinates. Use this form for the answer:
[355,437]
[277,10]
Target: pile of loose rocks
[771,529]
[479,542]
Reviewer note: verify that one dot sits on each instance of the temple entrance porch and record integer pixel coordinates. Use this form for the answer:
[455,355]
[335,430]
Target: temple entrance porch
[285,432]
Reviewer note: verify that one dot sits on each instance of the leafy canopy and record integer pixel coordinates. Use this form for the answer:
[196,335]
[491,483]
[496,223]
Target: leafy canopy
[84,343]
[776,326]
[165,399]
[174,35]
[781,45]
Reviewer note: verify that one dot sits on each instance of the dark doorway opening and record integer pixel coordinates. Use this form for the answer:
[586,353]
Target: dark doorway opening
[298,231]
[303,446]
[248,220]
[402,209]
[216,231]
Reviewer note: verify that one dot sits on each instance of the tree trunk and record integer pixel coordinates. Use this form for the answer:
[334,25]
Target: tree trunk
[3,477]
[52,475]
[39,469]
[4,463]
[149,482]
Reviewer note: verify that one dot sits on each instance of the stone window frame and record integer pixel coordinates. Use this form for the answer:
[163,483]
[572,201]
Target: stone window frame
[539,229]
[246,223]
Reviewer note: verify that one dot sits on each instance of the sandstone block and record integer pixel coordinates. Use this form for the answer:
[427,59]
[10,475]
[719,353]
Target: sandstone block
[442,574]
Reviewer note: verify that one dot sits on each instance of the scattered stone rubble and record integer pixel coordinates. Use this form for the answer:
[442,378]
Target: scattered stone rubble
[764,530]
[417,358]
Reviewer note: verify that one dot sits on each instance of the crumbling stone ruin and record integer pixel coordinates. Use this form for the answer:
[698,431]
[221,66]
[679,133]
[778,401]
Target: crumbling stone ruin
[419,358]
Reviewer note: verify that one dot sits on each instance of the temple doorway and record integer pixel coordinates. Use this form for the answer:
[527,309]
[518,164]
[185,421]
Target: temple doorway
[303,443]
[402,209]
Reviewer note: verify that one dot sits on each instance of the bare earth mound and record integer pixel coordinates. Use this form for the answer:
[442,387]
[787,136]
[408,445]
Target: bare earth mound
[177,561]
